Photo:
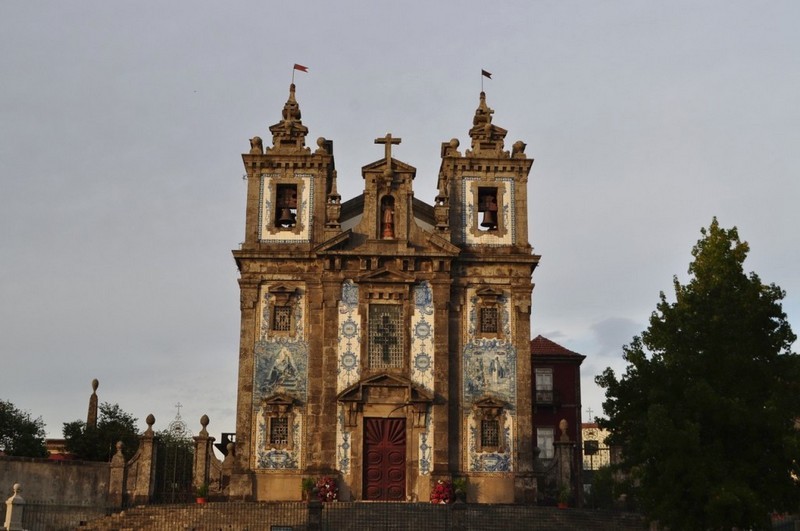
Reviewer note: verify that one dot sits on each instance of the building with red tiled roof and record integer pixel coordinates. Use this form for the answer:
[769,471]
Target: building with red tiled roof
[556,396]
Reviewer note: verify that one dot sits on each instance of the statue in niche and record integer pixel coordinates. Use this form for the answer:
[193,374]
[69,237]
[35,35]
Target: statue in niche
[388,219]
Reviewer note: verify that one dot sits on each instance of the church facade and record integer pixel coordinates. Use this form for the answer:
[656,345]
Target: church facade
[385,340]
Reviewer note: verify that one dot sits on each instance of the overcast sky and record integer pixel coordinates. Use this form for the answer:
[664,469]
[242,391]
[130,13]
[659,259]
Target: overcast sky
[121,191]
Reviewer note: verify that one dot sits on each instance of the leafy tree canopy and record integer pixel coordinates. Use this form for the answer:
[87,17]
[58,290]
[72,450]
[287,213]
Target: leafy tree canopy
[705,412]
[100,443]
[20,435]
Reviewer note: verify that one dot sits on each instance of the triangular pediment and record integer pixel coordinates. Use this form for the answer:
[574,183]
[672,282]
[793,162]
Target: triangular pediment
[359,392]
[335,243]
[278,399]
[489,292]
[490,402]
[442,244]
[384,275]
[397,166]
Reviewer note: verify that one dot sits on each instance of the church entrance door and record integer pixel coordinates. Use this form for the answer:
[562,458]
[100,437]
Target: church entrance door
[384,459]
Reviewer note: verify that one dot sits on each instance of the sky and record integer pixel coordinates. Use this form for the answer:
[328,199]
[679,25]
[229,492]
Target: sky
[121,193]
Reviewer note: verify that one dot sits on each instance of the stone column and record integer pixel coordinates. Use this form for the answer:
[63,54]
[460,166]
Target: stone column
[15,506]
[563,455]
[146,478]
[203,449]
[116,482]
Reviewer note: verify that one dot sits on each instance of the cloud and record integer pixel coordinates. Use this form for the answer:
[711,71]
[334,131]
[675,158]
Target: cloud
[612,333]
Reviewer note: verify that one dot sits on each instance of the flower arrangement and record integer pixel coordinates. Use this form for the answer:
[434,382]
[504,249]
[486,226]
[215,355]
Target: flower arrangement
[327,489]
[442,492]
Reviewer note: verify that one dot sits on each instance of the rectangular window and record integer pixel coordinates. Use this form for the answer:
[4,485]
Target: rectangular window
[489,320]
[544,386]
[490,433]
[279,431]
[282,319]
[386,336]
[544,441]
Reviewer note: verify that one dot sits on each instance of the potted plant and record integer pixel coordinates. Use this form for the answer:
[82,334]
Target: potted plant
[460,489]
[202,493]
[307,485]
[563,498]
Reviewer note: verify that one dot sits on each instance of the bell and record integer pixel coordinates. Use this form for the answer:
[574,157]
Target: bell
[489,219]
[286,219]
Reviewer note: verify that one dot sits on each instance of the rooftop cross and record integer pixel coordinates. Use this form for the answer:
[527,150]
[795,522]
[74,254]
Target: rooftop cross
[388,140]
[179,406]
[589,410]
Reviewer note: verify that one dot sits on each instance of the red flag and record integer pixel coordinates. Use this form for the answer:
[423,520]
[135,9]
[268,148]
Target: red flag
[300,67]
[484,73]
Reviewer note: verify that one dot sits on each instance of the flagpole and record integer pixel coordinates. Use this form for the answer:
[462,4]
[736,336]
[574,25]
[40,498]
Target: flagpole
[293,75]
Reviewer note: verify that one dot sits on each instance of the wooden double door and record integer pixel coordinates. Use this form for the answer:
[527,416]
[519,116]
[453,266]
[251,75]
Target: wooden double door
[384,459]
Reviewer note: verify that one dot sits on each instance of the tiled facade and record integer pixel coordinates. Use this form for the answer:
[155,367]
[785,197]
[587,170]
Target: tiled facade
[385,313]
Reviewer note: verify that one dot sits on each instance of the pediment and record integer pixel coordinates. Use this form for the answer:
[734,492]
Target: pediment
[442,244]
[386,276]
[489,402]
[278,399]
[397,166]
[395,385]
[334,243]
[489,294]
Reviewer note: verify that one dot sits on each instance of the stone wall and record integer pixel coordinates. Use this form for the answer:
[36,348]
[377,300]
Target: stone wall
[44,480]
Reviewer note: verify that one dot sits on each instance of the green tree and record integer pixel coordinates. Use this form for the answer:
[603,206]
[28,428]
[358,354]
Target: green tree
[20,435]
[705,412]
[100,443]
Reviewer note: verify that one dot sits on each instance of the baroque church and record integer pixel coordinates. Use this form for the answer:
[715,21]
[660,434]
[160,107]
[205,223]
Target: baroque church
[385,341]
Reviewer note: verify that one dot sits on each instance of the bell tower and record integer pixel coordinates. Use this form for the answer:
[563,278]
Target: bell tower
[483,194]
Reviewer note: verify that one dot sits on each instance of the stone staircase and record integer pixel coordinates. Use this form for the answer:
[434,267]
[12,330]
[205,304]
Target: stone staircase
[241,516]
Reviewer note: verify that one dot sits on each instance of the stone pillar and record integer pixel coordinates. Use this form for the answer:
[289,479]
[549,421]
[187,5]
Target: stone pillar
[15,506]
[563,455]
[146,478]
[203,449]
[116,482]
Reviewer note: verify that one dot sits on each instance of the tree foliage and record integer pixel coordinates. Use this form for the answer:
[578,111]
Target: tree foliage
[100,443]
[705,412]
[21,435]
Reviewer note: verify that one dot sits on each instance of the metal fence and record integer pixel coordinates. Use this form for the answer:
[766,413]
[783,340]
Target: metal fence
[339,516]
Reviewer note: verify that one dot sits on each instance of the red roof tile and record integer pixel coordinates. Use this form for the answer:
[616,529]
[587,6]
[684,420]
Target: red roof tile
[541,346]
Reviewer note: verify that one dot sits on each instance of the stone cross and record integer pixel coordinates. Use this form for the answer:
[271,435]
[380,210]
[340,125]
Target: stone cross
[384,336]
[387,141]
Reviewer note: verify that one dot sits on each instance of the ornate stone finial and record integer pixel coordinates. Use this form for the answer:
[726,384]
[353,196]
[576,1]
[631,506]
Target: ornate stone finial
[150,420]
[487,139]
[563,425]
[289,135]
[291,110]
[231,448]
[204,424]
[483,114]
[120,444]
[17,488]
[518,149]
[256,146]
[91,416]
[322,146]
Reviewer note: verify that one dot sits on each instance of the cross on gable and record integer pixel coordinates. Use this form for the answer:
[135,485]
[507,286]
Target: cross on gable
[387,141]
